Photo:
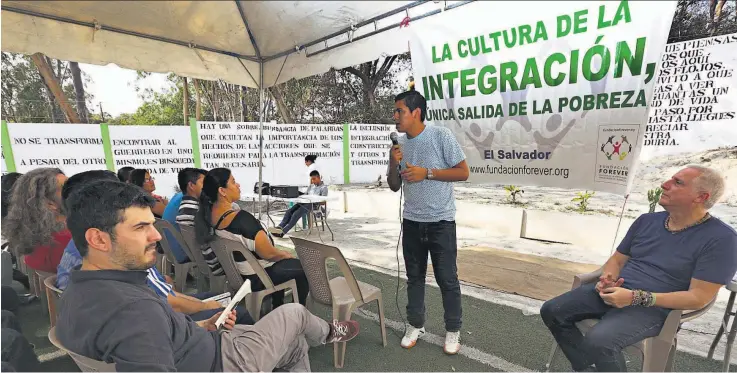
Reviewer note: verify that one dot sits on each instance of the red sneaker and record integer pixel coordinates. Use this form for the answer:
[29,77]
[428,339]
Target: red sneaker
[342,331]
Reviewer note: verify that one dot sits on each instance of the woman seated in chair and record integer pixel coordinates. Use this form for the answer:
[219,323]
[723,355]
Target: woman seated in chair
[219,191]
[143,179]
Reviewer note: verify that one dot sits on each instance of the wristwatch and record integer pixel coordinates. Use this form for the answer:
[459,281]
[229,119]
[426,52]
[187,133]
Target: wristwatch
[430,176]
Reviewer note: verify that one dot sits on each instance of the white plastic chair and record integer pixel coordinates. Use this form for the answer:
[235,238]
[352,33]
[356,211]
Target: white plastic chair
[658,353]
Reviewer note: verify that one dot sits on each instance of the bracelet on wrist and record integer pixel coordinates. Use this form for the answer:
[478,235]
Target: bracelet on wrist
[643,298]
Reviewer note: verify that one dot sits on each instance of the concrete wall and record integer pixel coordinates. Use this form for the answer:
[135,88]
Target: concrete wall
[594,232]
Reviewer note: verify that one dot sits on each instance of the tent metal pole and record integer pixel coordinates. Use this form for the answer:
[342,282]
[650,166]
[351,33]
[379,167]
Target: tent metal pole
[262,110]
[387,28]
[345,30]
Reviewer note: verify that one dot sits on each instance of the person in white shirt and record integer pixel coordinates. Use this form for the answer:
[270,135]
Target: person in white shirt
[310,163]
[299,210]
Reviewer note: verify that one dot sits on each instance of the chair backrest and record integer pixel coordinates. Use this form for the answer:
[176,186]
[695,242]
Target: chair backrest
[224,245]
[50,283]
[163,227]
[188,235]
[85,364]
[314,257]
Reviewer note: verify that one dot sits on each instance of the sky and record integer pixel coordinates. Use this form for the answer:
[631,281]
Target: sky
[114,87]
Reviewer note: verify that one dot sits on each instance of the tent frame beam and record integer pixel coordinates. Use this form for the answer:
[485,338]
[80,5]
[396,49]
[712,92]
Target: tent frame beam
[387,28]
[258,58]
[127,32]
[248,29]
[346,30]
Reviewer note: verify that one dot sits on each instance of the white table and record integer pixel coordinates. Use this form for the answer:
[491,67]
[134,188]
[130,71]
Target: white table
[303,199]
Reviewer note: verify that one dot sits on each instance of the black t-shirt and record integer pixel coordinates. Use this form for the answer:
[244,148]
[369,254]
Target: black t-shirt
[248,226]
[245,225]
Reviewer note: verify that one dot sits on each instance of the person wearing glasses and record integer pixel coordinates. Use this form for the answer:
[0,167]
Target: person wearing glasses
[142,178]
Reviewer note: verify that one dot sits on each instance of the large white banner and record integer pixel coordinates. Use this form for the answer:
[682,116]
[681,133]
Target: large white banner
[287,145]
[555,95]
[695,100]
[73,148]
[162,150]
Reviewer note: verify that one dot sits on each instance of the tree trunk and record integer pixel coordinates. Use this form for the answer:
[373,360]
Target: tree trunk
[244,104]
[53,84]
[79,91]
[370,78]
[185,99]
[284,111]
[198,104]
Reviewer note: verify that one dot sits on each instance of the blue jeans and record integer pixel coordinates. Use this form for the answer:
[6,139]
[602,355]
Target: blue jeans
[439,240]
[242,315]
[603,344]
[292,216]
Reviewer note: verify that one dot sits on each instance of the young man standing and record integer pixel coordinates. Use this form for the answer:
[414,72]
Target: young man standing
[425,164]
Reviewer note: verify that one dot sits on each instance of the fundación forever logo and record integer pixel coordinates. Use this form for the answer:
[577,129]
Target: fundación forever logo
[612,147]
[615,144]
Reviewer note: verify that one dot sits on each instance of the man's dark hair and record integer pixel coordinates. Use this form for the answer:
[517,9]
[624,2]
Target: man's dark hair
[314,173]
[125,173]
[82,178]
[189,175]
[312,158]
[413,100]
[101,205]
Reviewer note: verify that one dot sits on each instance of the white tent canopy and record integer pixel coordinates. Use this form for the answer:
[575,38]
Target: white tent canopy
[228,40]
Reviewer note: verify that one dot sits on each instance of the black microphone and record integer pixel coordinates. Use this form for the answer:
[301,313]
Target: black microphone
[395,142]
[394,138]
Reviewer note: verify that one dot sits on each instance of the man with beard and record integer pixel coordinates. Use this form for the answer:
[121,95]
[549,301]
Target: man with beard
[108,312]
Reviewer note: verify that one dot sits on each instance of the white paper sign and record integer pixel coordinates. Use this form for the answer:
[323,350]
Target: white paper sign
[73,147]
[162,150]
[369,152]
[554,95]
[287,145]
[4,166]
[234,146]
[695,102]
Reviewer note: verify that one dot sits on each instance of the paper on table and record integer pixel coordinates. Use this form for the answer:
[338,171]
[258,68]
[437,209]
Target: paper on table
[242,292]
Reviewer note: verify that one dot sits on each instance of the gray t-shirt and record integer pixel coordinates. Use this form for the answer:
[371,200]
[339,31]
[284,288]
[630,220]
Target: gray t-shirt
[430,200]
[664,262]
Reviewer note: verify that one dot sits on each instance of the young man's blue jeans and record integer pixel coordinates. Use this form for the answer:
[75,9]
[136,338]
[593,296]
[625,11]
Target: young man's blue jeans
[439,240]
[603,344]
[242,316]
[292,216]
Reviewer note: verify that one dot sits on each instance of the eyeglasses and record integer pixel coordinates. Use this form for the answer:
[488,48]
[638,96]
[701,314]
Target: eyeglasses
[149,179]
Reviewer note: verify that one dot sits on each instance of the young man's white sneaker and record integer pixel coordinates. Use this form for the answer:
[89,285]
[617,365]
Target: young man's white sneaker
[452,343]
[411,335]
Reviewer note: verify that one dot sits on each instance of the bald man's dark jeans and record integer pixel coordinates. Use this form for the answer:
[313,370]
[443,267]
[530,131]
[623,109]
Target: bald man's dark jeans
[603,344]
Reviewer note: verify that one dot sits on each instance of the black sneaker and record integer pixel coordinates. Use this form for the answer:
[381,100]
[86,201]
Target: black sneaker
[342,331]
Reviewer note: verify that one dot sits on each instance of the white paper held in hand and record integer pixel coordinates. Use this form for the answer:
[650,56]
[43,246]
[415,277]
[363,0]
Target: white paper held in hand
[242,292]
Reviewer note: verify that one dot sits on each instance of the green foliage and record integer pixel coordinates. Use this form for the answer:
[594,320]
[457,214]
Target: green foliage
[512,192]
[25,98]
[583,200]
[653,196]
[161,109]
[692,20]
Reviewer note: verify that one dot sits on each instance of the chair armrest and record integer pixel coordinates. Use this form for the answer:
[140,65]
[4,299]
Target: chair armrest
[690,315]
[586,278]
